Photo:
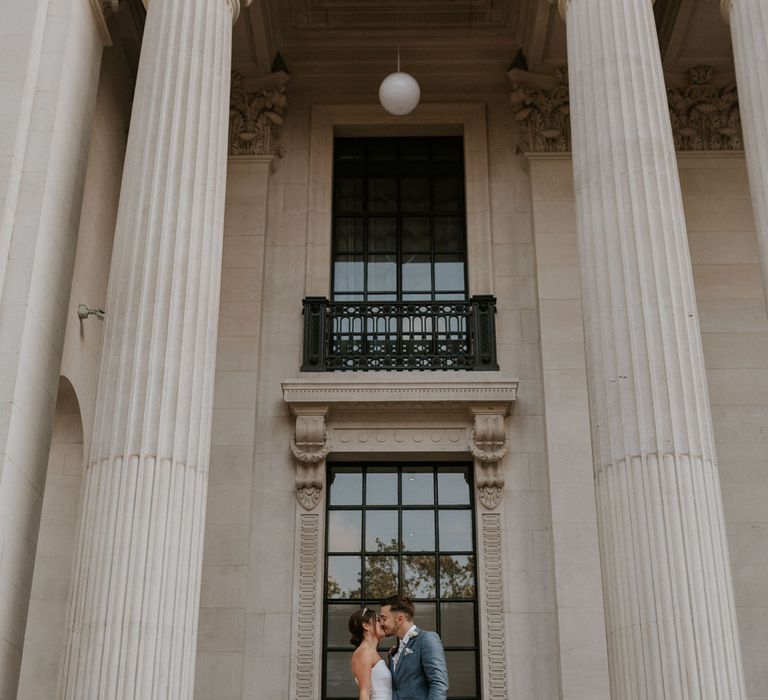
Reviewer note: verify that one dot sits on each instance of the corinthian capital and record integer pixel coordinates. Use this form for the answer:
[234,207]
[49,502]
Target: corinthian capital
[256,114]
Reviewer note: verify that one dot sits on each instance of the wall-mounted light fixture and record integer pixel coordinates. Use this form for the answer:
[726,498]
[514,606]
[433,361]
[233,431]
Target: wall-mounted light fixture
[84,312]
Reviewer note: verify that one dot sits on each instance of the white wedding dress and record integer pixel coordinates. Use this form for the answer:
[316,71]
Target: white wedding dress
[381,681]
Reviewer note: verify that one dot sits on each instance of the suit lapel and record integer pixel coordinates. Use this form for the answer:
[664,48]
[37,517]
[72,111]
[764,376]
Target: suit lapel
[405,655]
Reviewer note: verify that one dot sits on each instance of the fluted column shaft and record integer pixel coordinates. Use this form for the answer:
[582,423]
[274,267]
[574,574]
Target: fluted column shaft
[749,29]
[670,615]
[133,623]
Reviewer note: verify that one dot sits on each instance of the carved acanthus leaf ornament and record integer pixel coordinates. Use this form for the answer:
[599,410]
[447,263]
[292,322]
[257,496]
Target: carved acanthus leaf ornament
[705,117]
[255,117]
[488,445]
[543,115]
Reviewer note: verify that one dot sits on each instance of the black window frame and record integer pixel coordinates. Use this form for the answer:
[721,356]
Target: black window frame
[400,146]
[401,466]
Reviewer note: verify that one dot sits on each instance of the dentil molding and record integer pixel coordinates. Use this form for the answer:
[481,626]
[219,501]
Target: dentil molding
[256,114]
[704,113]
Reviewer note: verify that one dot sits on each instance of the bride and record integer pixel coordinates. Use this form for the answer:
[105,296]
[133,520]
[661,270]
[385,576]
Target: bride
[371,673]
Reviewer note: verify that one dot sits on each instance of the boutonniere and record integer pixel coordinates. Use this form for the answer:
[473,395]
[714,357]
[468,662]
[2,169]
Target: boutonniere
[413,634]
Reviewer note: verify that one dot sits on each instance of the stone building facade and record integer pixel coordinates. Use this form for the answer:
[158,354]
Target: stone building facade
[190,481]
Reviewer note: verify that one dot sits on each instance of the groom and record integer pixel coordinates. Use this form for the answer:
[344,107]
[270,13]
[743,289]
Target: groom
[417,663]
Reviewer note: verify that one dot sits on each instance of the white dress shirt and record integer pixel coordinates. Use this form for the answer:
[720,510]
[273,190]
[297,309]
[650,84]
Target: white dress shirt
[403,642]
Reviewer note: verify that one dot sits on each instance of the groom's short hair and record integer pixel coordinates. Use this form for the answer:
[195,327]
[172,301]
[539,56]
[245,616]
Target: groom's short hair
[401,604]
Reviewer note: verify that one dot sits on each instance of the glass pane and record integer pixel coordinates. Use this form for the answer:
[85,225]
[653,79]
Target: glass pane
[381,150]
[382,194]
[343,577]
[453,487]
[382,273]
[457,624]
[380,577]
[346,487]
[349,149]
[415,234]
[348,273]
[419,530]
[345,530]
[348,234]
[419,576]
[449,234]
[382,234]
[381,487]
[414,194]
[449,272]
[414,168]
[339,681]
[425,616]
[455,530]
[457,576]
[448,149]
[381,530]
[418,487]
[414,149]
[349,194]
[448,194]
[417,273]
[338,621]
[462,673]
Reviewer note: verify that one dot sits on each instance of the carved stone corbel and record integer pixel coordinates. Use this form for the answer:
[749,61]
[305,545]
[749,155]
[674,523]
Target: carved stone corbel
[488,445]
[310,448]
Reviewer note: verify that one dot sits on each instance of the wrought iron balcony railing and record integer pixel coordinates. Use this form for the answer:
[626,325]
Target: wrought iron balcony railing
[399,335]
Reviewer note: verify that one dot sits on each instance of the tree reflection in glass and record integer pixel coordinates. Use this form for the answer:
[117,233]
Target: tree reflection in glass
[457,576]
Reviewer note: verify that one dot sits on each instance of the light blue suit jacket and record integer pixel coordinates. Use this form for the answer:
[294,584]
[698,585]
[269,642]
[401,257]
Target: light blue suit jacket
[421,673]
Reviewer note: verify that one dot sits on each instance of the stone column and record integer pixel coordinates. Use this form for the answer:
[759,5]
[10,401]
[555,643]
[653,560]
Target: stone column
[671,624]
[134,611]
[749,29]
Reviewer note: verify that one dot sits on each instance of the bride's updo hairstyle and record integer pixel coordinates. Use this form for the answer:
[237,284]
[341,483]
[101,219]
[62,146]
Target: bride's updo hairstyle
[364,615]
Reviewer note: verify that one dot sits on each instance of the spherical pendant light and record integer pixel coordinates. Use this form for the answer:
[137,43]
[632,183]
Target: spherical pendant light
[399,93]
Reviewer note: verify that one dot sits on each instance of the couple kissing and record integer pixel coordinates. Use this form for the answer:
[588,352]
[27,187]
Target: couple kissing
[415,668]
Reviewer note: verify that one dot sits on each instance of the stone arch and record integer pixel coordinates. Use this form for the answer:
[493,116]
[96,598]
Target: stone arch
[46,626]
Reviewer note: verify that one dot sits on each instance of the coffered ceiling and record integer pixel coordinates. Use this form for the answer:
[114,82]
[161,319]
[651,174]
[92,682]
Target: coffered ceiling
[447,42]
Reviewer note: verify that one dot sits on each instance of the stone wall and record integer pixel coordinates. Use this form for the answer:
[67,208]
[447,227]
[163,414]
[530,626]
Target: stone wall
[732,314]
[51,583]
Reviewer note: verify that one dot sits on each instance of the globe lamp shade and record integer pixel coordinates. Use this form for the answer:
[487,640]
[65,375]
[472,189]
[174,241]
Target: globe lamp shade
[399,93]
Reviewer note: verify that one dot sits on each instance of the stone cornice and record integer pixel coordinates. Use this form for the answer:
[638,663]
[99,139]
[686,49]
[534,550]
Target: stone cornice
[704,112]
[256,113]
[377,394]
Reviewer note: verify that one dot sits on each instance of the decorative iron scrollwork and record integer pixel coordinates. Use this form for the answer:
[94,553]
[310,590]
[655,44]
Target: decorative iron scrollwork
[400,335]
